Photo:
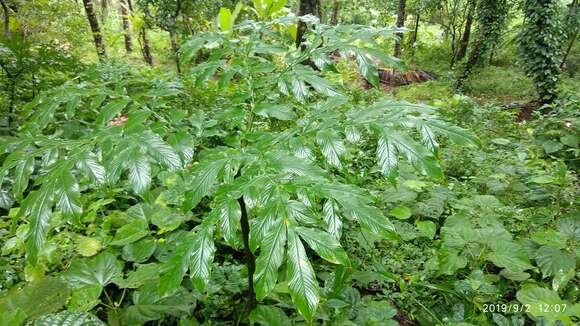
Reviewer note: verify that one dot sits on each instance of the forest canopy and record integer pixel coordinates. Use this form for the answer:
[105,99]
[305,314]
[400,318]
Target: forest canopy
[289,162]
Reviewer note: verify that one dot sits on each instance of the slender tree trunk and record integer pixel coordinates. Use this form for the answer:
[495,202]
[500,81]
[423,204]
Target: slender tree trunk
[126,25]
[467,31]
[568,49]
[335,12]
[7,31]
[414,36]
[98,38]
[250,259]
[104,11]
[173,36]
[145,48]
[307,7]
[470,64]
[143,40]
[175,48]
[572,15]
[401,15]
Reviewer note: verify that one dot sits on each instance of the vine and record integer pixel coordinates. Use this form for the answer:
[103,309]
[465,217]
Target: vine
[540,46]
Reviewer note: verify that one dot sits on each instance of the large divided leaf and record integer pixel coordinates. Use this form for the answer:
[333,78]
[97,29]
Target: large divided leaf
[270,259]
[205,177]
[325,245]
[68,318]
[202,254]
[302,282]
[100,270]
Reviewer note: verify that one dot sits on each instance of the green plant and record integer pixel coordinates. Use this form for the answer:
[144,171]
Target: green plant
[540,44]
[265,170]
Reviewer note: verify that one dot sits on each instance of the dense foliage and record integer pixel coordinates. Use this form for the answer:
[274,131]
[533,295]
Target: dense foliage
[540,43]
[269,168]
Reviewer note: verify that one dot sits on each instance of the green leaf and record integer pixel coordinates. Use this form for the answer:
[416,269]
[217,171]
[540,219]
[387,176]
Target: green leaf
[260,226]
[387,157]
[417,155]
[230,214]
[366,68]
[149,306]
[280,112]
[87,247]
[373,220]
[550,238]
[92,169]
[99,270]
[34,299]
[542,303]
[205,177]
[332,218]
[269,316]
[331,146]
[401,212]
[6,201]
[377,313]
[561,279]
[302,282]
[161,151]
[109,111]
[427,228]
[225,19]
[450,261]
[570,226]
[428,138]
[202,254]
[145,274]
[85,298]
[38,204]
[69,318]
[509,255]
[319,84]
[139,172]
[130,233]
[552,261]
[543,179]
[324,245]
[299,89]
[68,196]
[174,269]
[139,251]
[270,259]
[22,174]
[456,134]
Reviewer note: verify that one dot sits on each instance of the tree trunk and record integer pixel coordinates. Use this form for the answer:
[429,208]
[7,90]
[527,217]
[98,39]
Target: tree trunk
[143,40]
[466,32]
[175,48]
[414,36]
[145,48]
[250,259]
[98,38]
[173,36]
[335,11]
[126,25]
[6,21]
[572,14]
[307,7]
[401,15]
[104,11]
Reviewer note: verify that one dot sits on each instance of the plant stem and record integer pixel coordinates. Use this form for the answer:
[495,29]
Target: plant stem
[250,259]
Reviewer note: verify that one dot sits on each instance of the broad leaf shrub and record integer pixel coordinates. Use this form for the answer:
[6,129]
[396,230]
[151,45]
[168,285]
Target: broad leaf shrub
[146,191]
[506,222]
